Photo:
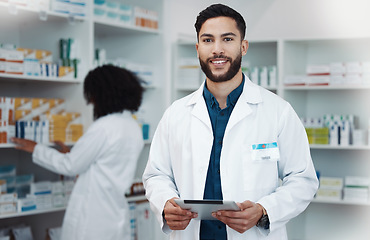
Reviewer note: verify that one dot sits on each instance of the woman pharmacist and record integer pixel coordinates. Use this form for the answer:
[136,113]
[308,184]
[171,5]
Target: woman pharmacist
[105,158]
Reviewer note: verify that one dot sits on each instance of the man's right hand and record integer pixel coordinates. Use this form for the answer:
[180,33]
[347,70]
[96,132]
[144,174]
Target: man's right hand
[176,217]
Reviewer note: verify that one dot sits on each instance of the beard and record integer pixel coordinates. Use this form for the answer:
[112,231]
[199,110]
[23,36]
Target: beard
[233,70]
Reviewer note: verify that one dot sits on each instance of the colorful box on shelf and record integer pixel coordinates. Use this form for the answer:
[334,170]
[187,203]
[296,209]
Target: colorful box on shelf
[65,127]
[145,18]
[33,118]
[114,10]
[71,7]
[318,135]
[26,204]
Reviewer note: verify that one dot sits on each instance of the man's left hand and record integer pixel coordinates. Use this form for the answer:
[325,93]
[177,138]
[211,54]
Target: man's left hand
[241,220]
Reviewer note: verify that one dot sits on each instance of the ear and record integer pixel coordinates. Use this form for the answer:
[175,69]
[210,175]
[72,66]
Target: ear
[196,47]
[245,45]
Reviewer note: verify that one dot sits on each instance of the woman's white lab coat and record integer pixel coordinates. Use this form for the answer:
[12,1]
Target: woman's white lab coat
[105,159]
[181,148]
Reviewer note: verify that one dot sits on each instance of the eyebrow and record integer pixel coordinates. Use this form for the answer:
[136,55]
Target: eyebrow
[222,35]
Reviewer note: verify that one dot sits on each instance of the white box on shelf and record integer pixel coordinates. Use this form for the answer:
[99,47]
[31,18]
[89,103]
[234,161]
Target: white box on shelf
[6,208]
[263,76]
[188,73]
[337,79]
[41,188]
[59,6]
[366,67]
[356,194]
[8,198]
[359,137]
[357,181]
[318,69]
[77,9]
[272,76]
[353,67]
[337,68]
[295,80]
[318,80]
[353,79]
[255,77]
[366,79]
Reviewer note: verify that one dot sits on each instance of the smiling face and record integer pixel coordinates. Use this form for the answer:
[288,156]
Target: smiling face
[220,49]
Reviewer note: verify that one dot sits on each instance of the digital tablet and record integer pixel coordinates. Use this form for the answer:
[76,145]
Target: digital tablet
[204,208]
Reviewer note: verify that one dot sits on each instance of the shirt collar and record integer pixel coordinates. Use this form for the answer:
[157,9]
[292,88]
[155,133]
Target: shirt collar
[232,98]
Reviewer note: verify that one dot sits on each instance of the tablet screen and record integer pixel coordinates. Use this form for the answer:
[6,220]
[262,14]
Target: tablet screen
[204,208]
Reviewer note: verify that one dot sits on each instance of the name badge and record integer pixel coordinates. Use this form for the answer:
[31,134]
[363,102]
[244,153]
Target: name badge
[265,152]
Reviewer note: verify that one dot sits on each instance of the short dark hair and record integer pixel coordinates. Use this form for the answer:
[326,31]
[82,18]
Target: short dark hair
[220,10]
[112,89]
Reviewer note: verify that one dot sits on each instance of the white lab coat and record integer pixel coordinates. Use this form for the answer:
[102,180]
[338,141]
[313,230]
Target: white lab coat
[105,159]
[181,149]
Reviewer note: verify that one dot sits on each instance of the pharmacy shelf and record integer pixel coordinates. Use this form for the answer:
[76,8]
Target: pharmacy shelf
[32,212]
[35,212]
[137,198]
[24,78]
[22,12]
[328,87]
[342,202]
[12,145]
[110,28]
[351,147]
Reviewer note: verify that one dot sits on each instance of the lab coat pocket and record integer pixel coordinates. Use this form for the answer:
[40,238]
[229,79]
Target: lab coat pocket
[260,167]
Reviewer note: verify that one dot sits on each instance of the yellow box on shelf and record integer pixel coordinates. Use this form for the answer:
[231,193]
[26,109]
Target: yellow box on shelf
[318,135]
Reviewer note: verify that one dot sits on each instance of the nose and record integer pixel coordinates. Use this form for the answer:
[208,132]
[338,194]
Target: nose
[218,48]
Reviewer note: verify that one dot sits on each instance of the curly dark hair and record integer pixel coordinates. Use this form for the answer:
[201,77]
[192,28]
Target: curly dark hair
[112,89]
[220,10]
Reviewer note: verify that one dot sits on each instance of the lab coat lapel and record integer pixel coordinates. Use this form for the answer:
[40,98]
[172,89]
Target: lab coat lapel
[201,142]
[250,95]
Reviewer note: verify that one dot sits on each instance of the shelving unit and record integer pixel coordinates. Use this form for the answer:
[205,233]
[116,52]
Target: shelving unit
[29,28]
[342,202]
[51,210]
[33,212]
[25,79]
[350,147]
[26,29]
[331,161]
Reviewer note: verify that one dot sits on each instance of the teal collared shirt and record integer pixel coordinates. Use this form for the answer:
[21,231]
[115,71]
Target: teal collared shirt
[219,118]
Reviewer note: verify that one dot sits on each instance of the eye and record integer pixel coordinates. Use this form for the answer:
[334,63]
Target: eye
[207,40]
[228,39]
